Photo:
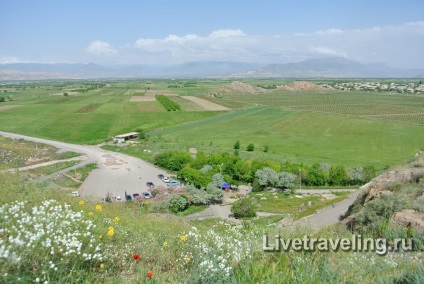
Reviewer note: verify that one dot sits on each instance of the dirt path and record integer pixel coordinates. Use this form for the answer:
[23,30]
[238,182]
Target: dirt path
[330,215]
[116,173]
[79,158]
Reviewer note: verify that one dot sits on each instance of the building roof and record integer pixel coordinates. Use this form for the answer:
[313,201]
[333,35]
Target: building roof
[126,135]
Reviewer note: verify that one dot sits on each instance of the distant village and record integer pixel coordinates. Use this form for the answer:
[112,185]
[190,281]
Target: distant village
[412,87]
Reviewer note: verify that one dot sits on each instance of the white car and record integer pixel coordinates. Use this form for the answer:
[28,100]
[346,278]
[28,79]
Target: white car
[165,179]
[118,197]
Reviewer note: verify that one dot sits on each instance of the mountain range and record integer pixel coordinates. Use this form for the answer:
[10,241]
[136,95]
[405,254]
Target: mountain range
[332,67]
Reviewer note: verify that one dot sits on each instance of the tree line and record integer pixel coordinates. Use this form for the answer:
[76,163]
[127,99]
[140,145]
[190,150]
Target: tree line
[260,173]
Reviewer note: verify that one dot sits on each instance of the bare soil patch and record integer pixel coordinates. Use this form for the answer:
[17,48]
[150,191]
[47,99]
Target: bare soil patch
[243,87]
[160,92]
[302,86]
[8,107]
[142,99]
[205,104]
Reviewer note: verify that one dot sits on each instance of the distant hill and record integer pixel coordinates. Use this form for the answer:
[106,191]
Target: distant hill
[334,67]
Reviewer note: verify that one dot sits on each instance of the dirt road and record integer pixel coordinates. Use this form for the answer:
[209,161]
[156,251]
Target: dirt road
[116,172]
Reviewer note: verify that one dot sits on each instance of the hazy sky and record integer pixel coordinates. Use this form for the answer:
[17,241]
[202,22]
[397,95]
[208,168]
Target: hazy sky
[170,32]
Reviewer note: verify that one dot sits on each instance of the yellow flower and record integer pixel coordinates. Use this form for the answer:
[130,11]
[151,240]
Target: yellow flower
[99,208]
[102,265]
[165,244]
[183,238]
[100,237]
[187,259]
[110,231]
[90,214]
[116,219]
[81,202]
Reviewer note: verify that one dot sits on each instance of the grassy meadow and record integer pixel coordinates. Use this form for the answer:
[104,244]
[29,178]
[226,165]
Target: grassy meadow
[122,243]
[85,241]
[348,128]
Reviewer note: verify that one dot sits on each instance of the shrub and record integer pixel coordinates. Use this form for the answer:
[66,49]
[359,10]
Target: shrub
[215,194]
[250,148]
[237,145]
[159,207]
[178,203]
[256,187]
[243,208]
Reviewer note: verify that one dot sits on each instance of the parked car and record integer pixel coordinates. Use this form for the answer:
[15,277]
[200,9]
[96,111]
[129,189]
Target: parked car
[150,184]
[135,195]
[146,195]
[118,198]
[161,176]
[172,183]
[165,179]
[75,193]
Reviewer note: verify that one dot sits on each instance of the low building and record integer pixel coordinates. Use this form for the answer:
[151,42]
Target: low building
[125,137]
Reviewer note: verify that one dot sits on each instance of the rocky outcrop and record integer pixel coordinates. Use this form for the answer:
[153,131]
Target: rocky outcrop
[409,218]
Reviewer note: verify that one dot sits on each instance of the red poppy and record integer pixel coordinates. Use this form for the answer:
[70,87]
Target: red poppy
[149,274]
[136,256]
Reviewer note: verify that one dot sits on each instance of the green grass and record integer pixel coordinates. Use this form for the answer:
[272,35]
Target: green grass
[138,232]
[46,170]
[302,136]
[347,128]
[289,203]
[191,210]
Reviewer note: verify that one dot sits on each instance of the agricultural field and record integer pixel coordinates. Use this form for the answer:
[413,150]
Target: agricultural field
[306,125]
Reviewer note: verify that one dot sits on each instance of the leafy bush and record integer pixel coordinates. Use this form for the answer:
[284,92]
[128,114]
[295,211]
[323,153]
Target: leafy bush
[286,180]
[173,160]
[250,148]
[215,194]
[237,145]
[178,202]
[159,207]
[243,208]
[256,187]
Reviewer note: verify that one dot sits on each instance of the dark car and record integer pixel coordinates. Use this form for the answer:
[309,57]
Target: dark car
[161,176]
[150,184]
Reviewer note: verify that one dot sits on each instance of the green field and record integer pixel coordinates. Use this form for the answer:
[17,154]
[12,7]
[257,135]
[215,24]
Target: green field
[351,128]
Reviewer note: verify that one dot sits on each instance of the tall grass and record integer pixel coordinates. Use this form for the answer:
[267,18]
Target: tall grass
[132,245]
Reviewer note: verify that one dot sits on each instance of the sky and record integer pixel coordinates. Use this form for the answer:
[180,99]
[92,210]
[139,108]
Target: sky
[160,32]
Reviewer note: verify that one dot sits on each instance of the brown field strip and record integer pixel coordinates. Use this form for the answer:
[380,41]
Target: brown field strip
[8,107]
[142,99]
[206,104]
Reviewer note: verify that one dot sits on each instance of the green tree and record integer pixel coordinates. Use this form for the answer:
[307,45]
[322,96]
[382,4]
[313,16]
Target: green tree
[178,202]
[1,99]
[215,194]
[338,175]
[266,148]
[243,208]
[250,148]
[267,177]
[286,180]
[237,145]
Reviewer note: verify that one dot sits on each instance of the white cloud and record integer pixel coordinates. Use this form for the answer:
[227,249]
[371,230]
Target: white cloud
[327,51]
[101,48]
[398,46]
[226,33]
[9,60]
